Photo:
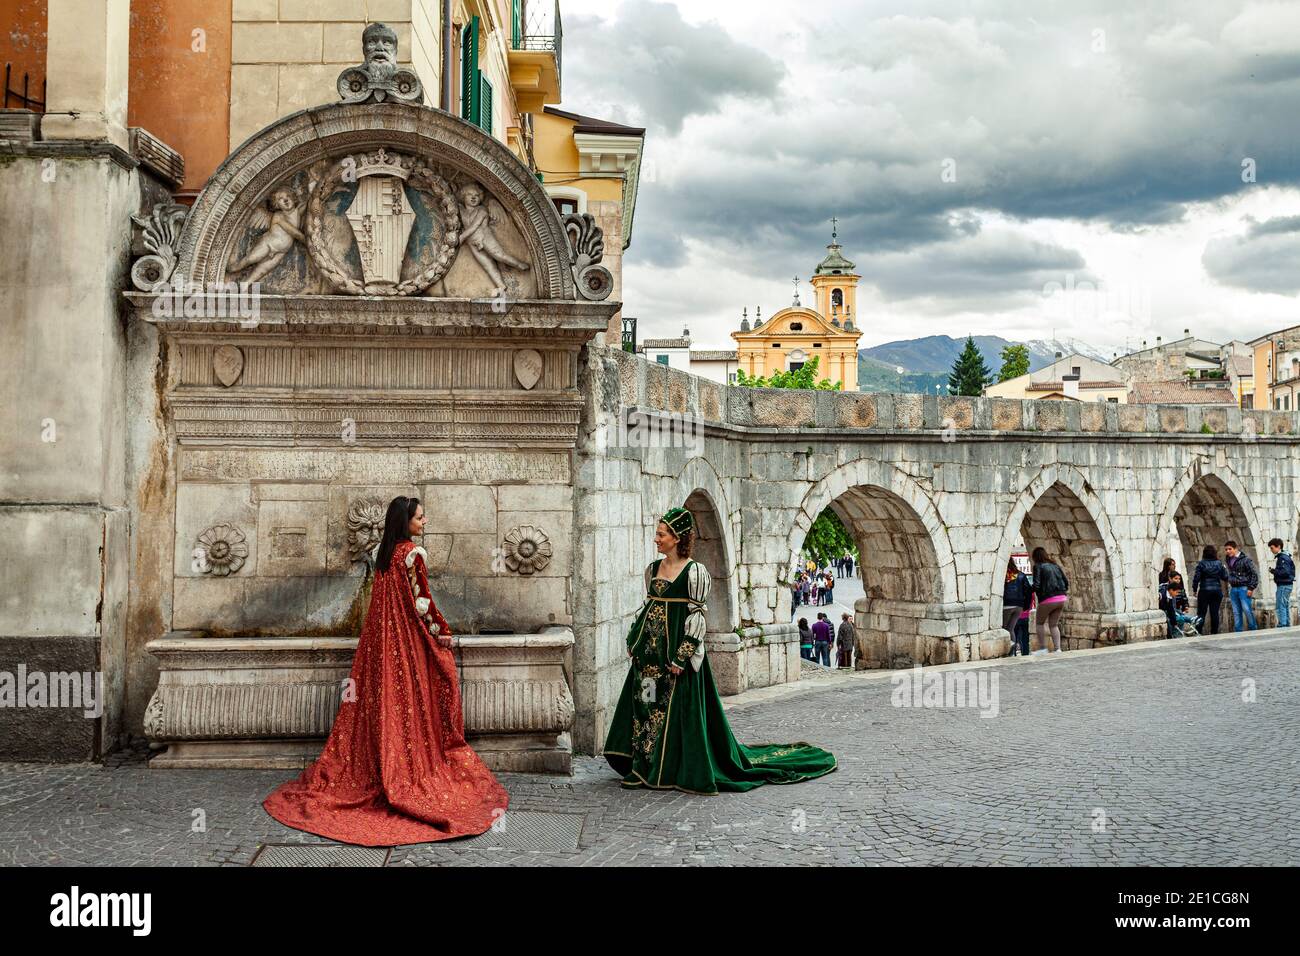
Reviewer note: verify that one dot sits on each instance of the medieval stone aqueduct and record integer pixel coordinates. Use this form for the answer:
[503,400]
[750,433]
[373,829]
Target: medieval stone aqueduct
[936,491]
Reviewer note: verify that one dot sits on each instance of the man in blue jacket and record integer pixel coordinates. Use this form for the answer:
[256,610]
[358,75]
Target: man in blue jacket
[1243,579]
[1283,572]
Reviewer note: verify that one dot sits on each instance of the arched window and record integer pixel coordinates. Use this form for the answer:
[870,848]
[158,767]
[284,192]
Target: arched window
[837,298]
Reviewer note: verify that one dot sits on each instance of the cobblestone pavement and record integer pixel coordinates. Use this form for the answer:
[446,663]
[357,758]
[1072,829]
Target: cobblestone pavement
[1136,755]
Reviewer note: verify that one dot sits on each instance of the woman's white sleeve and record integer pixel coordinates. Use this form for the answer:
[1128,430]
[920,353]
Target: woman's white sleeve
[697,588]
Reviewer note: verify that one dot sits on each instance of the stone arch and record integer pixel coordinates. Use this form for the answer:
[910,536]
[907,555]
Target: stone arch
[291,145]
[1210,505]
[700,491]
[867,492]
[1060,511]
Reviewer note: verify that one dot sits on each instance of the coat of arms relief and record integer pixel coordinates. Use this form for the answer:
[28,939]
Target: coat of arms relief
[382,223]
[380,216]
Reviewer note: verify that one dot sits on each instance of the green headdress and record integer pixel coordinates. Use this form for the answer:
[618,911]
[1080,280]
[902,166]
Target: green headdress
[679,521]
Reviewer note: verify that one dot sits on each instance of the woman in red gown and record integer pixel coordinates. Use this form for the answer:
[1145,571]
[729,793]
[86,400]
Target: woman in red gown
[396,768]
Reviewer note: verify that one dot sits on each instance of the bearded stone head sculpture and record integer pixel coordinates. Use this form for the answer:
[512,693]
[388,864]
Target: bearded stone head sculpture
[379,49]
[379,78]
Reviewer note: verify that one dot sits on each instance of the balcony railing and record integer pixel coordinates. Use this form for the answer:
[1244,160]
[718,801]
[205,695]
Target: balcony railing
[538,29]
[18,93]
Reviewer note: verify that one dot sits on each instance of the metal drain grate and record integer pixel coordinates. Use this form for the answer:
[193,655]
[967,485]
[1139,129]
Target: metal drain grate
[531,830]
[320,854]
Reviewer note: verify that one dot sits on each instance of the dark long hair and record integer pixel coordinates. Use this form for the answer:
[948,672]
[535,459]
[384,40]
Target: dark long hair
[396,524]
[1210,553]
[1040,557]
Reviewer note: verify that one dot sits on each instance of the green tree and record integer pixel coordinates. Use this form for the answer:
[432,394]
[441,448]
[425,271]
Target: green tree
[828,538]
[1015,362]
[969,373]
[805,377]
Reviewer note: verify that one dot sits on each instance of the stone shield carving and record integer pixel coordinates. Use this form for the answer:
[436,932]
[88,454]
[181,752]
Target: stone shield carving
[227,364]
[528,367]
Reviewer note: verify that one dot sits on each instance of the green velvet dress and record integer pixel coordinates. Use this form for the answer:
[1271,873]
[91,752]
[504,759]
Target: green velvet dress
[670,732]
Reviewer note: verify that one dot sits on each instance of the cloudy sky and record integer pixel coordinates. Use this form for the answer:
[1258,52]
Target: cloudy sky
[983,157]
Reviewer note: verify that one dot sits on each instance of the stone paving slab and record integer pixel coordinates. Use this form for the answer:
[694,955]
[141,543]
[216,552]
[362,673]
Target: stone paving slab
[1142,755]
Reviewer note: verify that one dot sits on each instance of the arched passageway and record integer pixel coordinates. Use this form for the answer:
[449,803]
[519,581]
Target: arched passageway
[1210,513]
[902,580]
[1060,523]
[711,551]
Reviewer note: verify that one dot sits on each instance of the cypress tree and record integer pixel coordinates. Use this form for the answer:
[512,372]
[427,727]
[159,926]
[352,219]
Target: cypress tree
[969,373]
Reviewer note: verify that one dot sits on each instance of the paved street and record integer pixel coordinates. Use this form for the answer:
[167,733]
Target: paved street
[1137,755]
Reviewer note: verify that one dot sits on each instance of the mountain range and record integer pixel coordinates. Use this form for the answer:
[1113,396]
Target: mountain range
[918,365]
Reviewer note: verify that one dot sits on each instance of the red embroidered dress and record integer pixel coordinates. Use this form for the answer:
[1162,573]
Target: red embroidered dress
[396,768]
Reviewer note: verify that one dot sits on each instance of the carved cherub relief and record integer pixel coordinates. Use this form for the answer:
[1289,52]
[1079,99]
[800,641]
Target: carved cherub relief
[476,225]
[280,225]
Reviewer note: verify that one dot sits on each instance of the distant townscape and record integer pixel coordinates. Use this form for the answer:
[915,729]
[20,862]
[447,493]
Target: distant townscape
[822,338]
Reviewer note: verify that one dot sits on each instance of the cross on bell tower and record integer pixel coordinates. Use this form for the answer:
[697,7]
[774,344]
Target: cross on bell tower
[834,280]
[796,291]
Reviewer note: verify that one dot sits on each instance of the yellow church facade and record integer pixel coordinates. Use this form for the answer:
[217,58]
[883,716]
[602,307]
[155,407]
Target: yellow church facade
[797,334]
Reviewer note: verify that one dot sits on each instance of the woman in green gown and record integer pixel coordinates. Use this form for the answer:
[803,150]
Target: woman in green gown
[669,729]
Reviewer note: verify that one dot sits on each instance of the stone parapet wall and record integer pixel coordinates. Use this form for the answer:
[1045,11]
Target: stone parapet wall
[660,388]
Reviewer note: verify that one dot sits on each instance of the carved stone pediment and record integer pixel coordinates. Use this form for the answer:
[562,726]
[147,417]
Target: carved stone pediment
[380,199]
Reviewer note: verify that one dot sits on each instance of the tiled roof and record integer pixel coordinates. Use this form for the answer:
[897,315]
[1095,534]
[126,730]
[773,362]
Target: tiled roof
[714,356]
[590,124]
[666,343]
[1060,386]
[1176,393]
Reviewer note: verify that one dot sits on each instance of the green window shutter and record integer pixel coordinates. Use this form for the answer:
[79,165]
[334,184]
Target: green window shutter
[469,72]
[516,30]
[485,104]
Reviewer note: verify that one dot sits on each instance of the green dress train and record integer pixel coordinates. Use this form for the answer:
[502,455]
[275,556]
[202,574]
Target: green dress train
[671,732]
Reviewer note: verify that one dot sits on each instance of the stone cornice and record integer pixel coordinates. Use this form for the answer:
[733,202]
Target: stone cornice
[377,315]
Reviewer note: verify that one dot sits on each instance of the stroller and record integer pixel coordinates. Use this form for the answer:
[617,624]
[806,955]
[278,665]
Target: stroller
[1185,625]
[1181,623]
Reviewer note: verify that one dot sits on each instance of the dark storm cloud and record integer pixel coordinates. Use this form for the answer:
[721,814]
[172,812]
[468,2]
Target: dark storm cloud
[1266,258]
[1108,112]
[650,59]
[992,262]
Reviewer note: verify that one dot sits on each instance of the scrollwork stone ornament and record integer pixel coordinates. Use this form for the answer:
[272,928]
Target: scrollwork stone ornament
[365,527]
[221,550]
[586,249]
[161,232]
[527,549]
[379,77]
[153,717]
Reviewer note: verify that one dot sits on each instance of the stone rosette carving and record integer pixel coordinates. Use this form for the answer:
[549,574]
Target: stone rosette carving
[526,549]
[222,550]
[365,527]
[379,78]
[586,249]
[161,231]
